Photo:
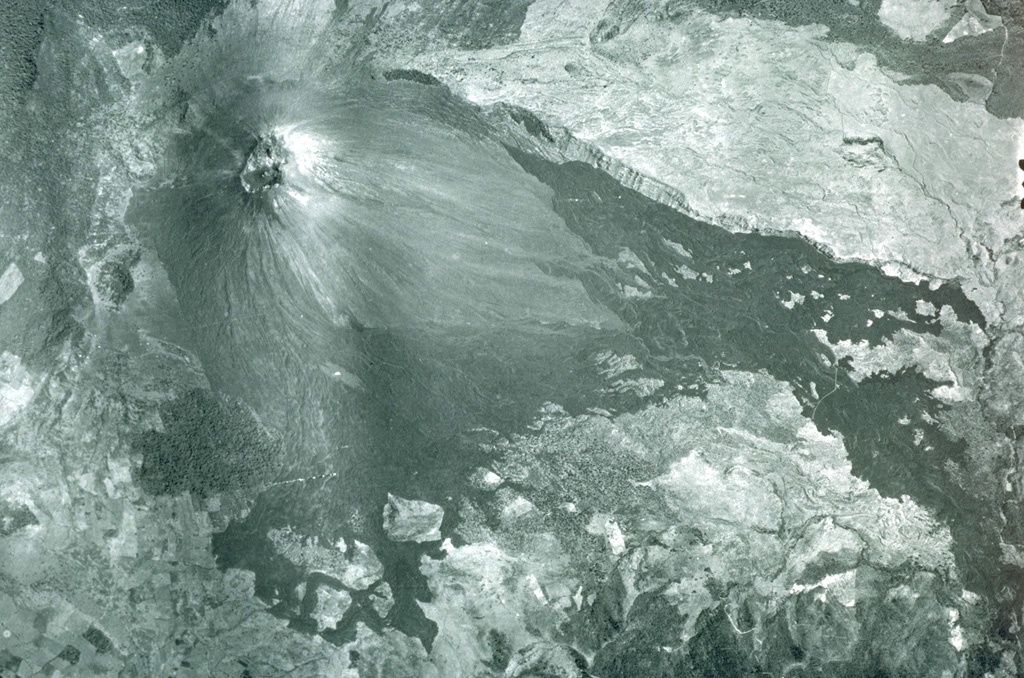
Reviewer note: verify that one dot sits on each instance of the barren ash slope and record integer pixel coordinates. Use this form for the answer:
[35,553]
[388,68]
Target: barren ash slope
[544,338]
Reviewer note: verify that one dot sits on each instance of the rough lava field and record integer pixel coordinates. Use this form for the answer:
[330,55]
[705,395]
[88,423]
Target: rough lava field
[512,338]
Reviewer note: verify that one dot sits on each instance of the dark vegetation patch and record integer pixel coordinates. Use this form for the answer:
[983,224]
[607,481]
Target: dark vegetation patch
[115,282]
[479,24]
[528,120]
[208,445]
[171,23]
[501,650]
[98,639]
[63,290]
[70,654]
[22,22]
[9,662]
[13,517]
[411,75]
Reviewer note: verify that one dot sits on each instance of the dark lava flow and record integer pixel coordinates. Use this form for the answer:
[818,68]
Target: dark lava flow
[731,316]
[395,286]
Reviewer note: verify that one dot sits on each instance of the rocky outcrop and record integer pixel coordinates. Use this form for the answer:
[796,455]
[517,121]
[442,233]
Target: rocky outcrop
[411,520]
